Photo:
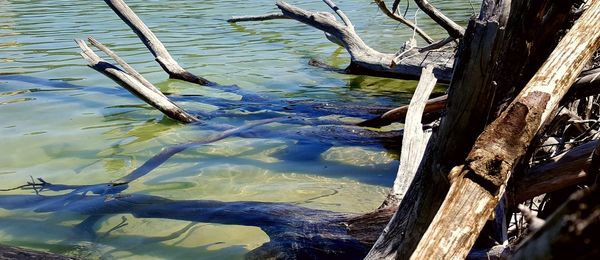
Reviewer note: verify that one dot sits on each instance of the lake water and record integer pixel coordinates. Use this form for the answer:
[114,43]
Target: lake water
[66,123]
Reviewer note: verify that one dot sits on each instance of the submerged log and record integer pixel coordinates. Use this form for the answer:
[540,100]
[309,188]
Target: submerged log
[9,252]
[478,185]
[364,59]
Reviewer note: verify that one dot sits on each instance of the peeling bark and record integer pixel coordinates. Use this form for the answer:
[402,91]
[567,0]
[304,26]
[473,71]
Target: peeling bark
[479,184]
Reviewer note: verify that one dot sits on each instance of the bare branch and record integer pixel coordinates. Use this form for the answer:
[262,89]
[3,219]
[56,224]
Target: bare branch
[340,13]
[453,29]
[134,86]
[366,60]
[153,44]
[403,20]
[124,65]
[252,18]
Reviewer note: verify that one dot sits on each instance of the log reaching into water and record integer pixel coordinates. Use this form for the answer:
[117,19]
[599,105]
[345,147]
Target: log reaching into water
[162,55]
[400,113]
[414,140]
[364,59]
[587,84]
[146,92]
[478,185]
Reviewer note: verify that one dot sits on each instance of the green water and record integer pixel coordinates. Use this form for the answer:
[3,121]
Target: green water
[65,123]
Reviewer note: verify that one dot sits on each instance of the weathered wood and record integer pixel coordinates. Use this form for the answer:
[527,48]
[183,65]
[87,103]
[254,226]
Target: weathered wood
[561,171]
[572,232]
[483,80]
[454,30]
[149,95]
[364,59]
[160,52]
[383,7]
[130,70]
[253,18]
[469,91]
[414,140]
[478,185]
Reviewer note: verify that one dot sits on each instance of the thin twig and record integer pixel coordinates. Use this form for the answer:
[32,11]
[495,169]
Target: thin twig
[403,20]
[340,13]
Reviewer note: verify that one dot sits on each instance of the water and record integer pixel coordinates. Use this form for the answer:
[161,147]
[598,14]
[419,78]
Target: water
[65,123]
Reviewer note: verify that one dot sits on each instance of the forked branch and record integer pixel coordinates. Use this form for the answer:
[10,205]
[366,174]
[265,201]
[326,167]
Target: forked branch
[383,7]
[148,93]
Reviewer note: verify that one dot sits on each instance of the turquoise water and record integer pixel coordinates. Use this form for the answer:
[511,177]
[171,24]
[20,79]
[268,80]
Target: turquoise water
[65,123]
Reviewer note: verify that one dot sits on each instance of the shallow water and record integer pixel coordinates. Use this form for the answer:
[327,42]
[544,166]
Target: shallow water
[65,123]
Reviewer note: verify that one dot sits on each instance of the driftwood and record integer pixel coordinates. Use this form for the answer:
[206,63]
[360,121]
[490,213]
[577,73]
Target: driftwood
[478,185]
[486,78]
[383,7]
[136,85]
[364,59]
[414,139]
[163,57]
[486,73]
[561,171]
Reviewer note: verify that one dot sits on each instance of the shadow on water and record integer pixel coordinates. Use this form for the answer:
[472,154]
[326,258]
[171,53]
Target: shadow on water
[306,134]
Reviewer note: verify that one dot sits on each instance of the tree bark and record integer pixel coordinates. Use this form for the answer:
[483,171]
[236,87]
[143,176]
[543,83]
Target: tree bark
[497,54]
[480,183]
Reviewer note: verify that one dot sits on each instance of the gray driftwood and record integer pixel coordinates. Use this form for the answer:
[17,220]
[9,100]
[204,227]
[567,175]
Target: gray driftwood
[478,185]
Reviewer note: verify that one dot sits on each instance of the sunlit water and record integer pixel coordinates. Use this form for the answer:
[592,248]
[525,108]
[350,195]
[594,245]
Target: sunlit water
[65,123]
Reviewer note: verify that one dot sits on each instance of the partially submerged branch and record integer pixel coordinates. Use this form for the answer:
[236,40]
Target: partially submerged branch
[254,18]
[364,59]
[162,55]
[148,94]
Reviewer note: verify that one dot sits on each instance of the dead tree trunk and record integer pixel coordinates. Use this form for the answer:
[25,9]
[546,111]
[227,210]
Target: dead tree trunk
[478,185]
[485,72]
